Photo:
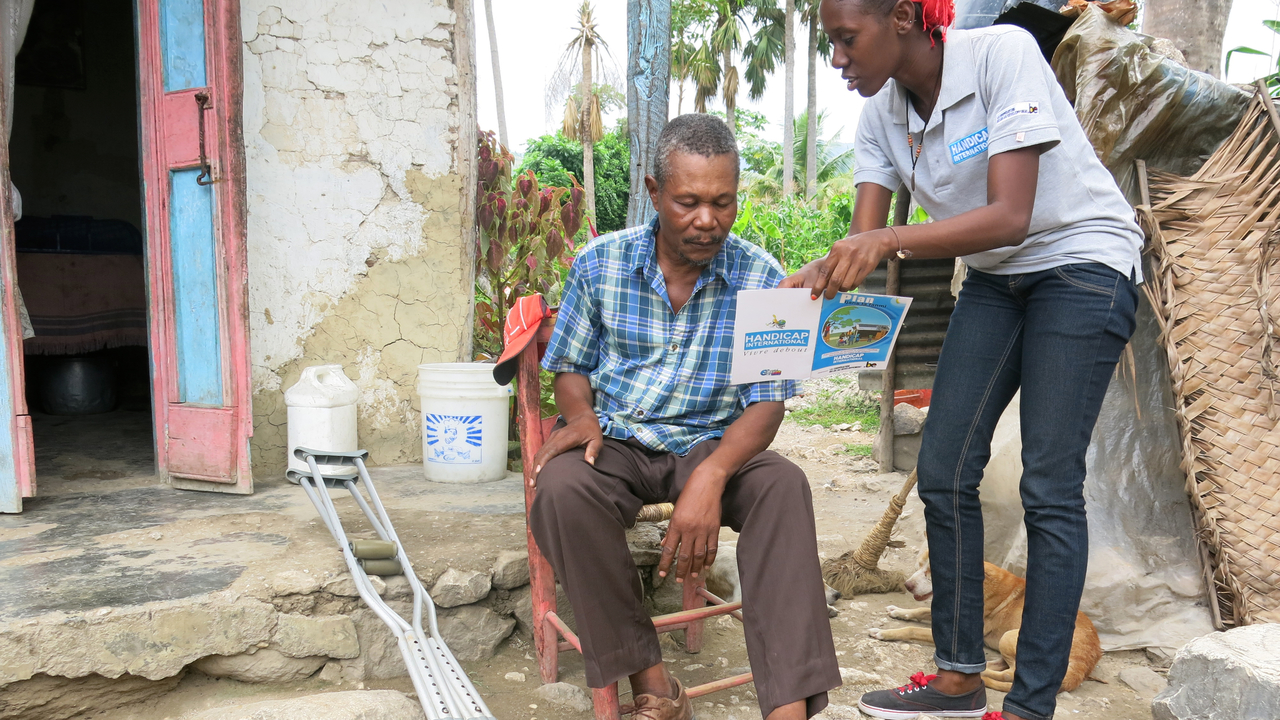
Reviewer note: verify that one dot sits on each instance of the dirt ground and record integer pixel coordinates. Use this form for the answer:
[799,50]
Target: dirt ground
[849,496]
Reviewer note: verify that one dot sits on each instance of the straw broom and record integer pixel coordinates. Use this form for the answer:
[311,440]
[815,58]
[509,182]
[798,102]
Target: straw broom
[858,572]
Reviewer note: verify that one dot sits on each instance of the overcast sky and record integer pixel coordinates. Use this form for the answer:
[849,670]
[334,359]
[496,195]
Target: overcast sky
[532,37]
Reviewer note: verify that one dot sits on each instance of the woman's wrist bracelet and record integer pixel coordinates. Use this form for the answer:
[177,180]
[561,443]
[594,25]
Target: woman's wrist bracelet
[902,254]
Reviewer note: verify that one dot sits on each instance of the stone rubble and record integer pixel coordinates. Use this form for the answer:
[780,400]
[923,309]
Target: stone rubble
[1143,680]
[460,587]
[262,666]
[1233,675]
[511,570]
[473,632]
[907,419]
[564,695]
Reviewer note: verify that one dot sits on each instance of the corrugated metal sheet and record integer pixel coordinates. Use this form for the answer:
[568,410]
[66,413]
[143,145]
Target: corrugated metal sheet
[928,283]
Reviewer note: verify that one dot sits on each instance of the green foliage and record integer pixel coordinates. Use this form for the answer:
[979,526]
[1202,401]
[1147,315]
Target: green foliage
[792,230]
[858,450]
[842,408]
[555,158]
[525,229]
[1272,80]
[763,159]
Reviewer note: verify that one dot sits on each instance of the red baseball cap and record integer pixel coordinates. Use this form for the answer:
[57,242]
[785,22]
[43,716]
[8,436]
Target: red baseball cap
[521,327]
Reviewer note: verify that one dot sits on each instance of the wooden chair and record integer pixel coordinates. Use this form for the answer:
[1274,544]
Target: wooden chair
[548,628]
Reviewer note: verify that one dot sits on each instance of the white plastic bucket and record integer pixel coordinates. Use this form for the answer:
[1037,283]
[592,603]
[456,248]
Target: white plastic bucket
[464,422]
[322,416]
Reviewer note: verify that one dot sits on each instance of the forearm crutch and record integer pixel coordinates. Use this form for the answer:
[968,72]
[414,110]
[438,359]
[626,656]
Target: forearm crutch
[443,687]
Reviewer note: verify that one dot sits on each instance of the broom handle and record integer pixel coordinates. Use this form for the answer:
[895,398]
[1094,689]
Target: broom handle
[868,555]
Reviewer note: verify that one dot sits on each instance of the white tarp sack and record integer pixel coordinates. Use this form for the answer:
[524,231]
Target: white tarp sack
[1145,587]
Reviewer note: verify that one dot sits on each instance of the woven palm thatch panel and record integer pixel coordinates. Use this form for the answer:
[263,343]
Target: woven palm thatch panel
[1217,289]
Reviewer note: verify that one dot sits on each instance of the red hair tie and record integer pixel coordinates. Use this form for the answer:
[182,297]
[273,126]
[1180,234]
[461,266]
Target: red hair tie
[940,14]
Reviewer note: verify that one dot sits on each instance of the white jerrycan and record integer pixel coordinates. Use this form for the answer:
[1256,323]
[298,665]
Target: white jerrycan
[322,415]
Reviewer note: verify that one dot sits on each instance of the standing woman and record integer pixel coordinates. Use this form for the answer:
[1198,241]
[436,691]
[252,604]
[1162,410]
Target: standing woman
[975,124]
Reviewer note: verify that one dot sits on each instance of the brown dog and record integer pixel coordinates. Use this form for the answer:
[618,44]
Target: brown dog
[1002,599]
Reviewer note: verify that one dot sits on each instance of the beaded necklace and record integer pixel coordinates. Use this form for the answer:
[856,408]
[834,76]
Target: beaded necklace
[911,142]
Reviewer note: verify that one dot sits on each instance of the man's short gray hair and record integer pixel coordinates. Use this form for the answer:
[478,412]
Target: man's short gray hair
[696,134]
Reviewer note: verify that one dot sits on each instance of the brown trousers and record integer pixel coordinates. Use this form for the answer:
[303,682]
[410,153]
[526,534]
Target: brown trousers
[579,519]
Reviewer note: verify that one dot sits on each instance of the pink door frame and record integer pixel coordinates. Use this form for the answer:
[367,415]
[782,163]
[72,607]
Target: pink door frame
[198,447]
[23,444]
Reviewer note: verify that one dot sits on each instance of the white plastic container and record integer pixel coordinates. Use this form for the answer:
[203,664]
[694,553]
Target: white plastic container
[322,416]
[464,422]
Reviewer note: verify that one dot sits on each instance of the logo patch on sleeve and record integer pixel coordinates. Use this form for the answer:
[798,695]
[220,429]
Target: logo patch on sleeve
[969,147]
[1016,109]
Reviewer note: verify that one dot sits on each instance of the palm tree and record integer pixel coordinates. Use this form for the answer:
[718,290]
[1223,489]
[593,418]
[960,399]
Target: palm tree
[833,167]
[789,112]
[687,16]
[497,74]
[789,103]
[713,68]
[774,42]
[582,120]
[819,45]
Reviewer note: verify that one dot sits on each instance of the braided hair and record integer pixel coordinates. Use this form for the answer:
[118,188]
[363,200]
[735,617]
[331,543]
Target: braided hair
[935,15]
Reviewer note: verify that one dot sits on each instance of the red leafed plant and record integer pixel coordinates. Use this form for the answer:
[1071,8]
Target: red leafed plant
[526,235]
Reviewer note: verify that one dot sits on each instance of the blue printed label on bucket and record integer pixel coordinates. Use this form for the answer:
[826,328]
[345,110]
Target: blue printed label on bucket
[454,439]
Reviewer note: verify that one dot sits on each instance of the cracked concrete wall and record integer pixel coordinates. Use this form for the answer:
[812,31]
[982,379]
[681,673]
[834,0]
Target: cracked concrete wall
[359,140]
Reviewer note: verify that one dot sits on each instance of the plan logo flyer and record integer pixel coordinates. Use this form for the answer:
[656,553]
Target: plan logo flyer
[786,335]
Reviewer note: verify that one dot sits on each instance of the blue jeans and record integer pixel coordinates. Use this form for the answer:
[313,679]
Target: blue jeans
[1057,335]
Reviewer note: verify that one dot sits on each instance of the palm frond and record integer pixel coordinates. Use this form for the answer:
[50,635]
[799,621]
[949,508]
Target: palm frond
[730,88]
[566,81]
[704,70]
[765,50]
[597,124]
[569,125]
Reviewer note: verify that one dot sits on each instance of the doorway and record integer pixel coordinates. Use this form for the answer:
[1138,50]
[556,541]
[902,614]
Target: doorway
[75,163]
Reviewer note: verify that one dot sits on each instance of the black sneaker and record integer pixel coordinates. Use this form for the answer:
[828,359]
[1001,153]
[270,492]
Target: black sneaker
[916,697]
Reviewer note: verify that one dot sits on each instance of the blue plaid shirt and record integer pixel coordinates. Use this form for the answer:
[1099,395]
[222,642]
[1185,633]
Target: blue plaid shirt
[659,376]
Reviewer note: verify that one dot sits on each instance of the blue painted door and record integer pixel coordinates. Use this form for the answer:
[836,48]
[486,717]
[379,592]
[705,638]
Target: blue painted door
[193,173]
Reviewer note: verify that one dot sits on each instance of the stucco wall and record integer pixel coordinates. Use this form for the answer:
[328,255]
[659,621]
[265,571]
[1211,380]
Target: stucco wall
[359,134]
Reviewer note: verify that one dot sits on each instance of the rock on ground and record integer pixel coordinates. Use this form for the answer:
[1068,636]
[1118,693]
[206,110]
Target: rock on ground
[564,695]
[460,587]
[524,611]
[644,540]
[379,657]
[354,705]
[473,632]
[1146,682]
[1233,675]
[907,419]
[264,666]
[511,570]
[344,586]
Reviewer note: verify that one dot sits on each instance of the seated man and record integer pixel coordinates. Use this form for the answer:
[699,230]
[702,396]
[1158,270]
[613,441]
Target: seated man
[641,353]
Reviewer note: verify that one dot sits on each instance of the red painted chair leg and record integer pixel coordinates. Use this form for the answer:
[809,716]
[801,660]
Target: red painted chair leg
[546,641]
[605,701]
[542,580]
[693,601]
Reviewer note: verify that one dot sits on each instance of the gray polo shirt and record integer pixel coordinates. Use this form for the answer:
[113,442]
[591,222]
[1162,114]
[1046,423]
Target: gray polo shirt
[998,94]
